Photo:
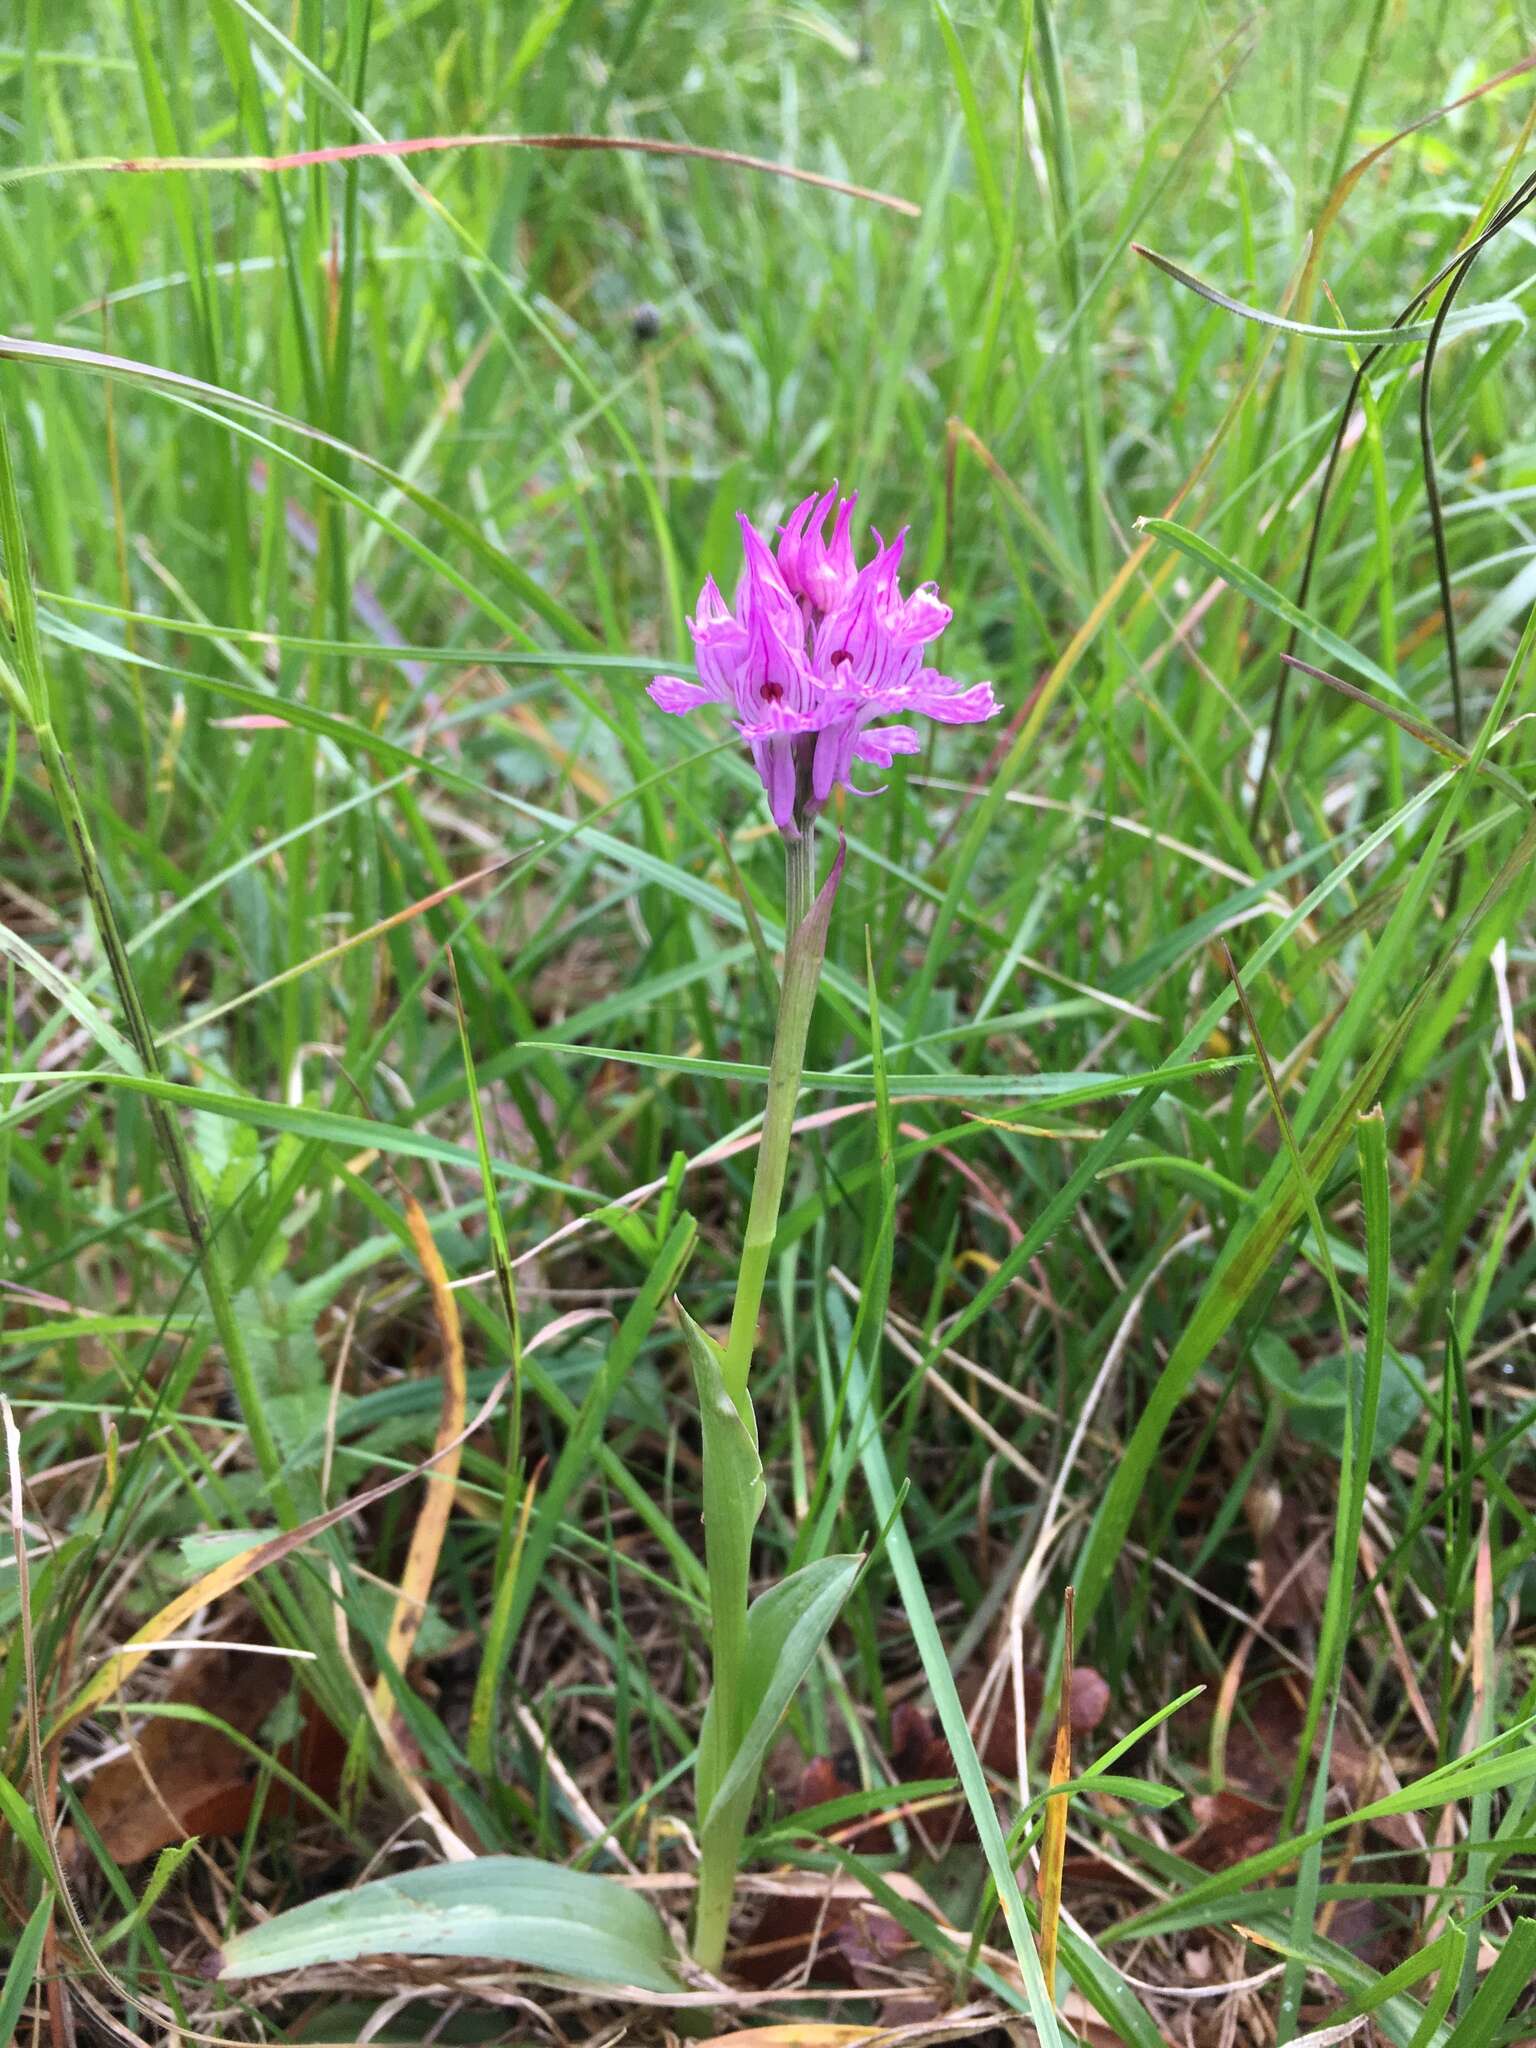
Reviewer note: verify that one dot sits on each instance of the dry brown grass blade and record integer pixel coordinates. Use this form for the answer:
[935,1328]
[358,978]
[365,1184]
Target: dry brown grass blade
[1014,745]
[1053,1840]
[436,145]
[1482,1629]
[437,1504]
[1479,1667]
[1334,204]
[1402,1663]
[329,955]
[236,1570]
[1237,1664]
[801,2034]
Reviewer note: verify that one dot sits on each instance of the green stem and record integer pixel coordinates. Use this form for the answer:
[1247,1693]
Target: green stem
[719,1855]
[799,880]
[797,998]
[727,1557]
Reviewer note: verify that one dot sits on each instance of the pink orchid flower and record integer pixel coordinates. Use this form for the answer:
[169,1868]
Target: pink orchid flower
[816,651]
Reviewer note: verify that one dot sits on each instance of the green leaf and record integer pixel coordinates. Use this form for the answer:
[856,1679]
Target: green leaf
[289,1372]
[946,1700]
[1438,2003]
[733,1500]
[348,1133]
[1253,586]
[204,1548]
[167,1863]
[976,132]
[512,1909]
[1490,1768]
[72,998]
[1061,1091]
[1272,1215]
[21,1969]
[18,1814]
[1497,312]
[1511,1976]
[1444,1954]
[785,1629]
[1316,1396]
[226,1156]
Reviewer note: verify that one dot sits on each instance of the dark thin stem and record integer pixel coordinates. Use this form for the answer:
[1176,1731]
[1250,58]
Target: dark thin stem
[1518,204]
[1460,262]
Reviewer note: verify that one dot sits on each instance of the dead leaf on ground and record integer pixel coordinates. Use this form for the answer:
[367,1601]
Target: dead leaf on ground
[1261,1754]
[1087,1689]
[850,1942]
[1242,1818]
[971,2023]
[1230,1827]
[833,1922]
[200,1780]
[853,1940]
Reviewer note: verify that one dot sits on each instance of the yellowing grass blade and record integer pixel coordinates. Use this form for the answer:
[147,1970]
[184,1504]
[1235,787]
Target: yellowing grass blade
[234,1571]
[1053,1840]
[432,1521]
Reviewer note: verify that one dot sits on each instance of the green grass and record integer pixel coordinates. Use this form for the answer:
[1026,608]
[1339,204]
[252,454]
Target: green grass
[378,448]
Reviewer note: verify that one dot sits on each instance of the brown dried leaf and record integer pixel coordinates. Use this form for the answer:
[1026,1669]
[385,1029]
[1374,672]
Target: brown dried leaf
[1261,1754]
[1230,1828]
[199,1779]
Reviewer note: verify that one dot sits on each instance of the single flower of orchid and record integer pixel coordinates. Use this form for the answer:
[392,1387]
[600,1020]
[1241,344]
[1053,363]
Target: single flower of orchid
[815,652]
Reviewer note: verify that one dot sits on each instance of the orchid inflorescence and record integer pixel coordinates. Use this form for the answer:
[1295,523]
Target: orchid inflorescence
[815,651]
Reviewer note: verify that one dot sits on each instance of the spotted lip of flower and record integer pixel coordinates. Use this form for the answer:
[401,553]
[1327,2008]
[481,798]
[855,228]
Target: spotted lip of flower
[817,649]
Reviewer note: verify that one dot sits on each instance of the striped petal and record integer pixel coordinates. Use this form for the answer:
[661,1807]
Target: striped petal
[674,695]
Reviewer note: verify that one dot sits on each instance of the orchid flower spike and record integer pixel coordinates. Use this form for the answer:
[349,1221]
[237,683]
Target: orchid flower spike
[816,650]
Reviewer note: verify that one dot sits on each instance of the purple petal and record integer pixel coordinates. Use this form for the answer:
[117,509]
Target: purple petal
[922,617]
[778,721]
[796,547]
[888,561]
[834,571]
[762,592]
[941,697]
[854,650]
[879,743]
[674,695]
[833,759]
[775,763]
[713,609]
[815,649]
[718,669]
[720,643]
[820,574]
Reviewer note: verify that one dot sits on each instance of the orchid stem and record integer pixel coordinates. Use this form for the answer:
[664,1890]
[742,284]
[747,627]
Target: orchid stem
[726,1559]
[797,999]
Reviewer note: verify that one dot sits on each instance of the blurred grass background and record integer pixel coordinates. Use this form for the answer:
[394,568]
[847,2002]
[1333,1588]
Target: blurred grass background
[362,499]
